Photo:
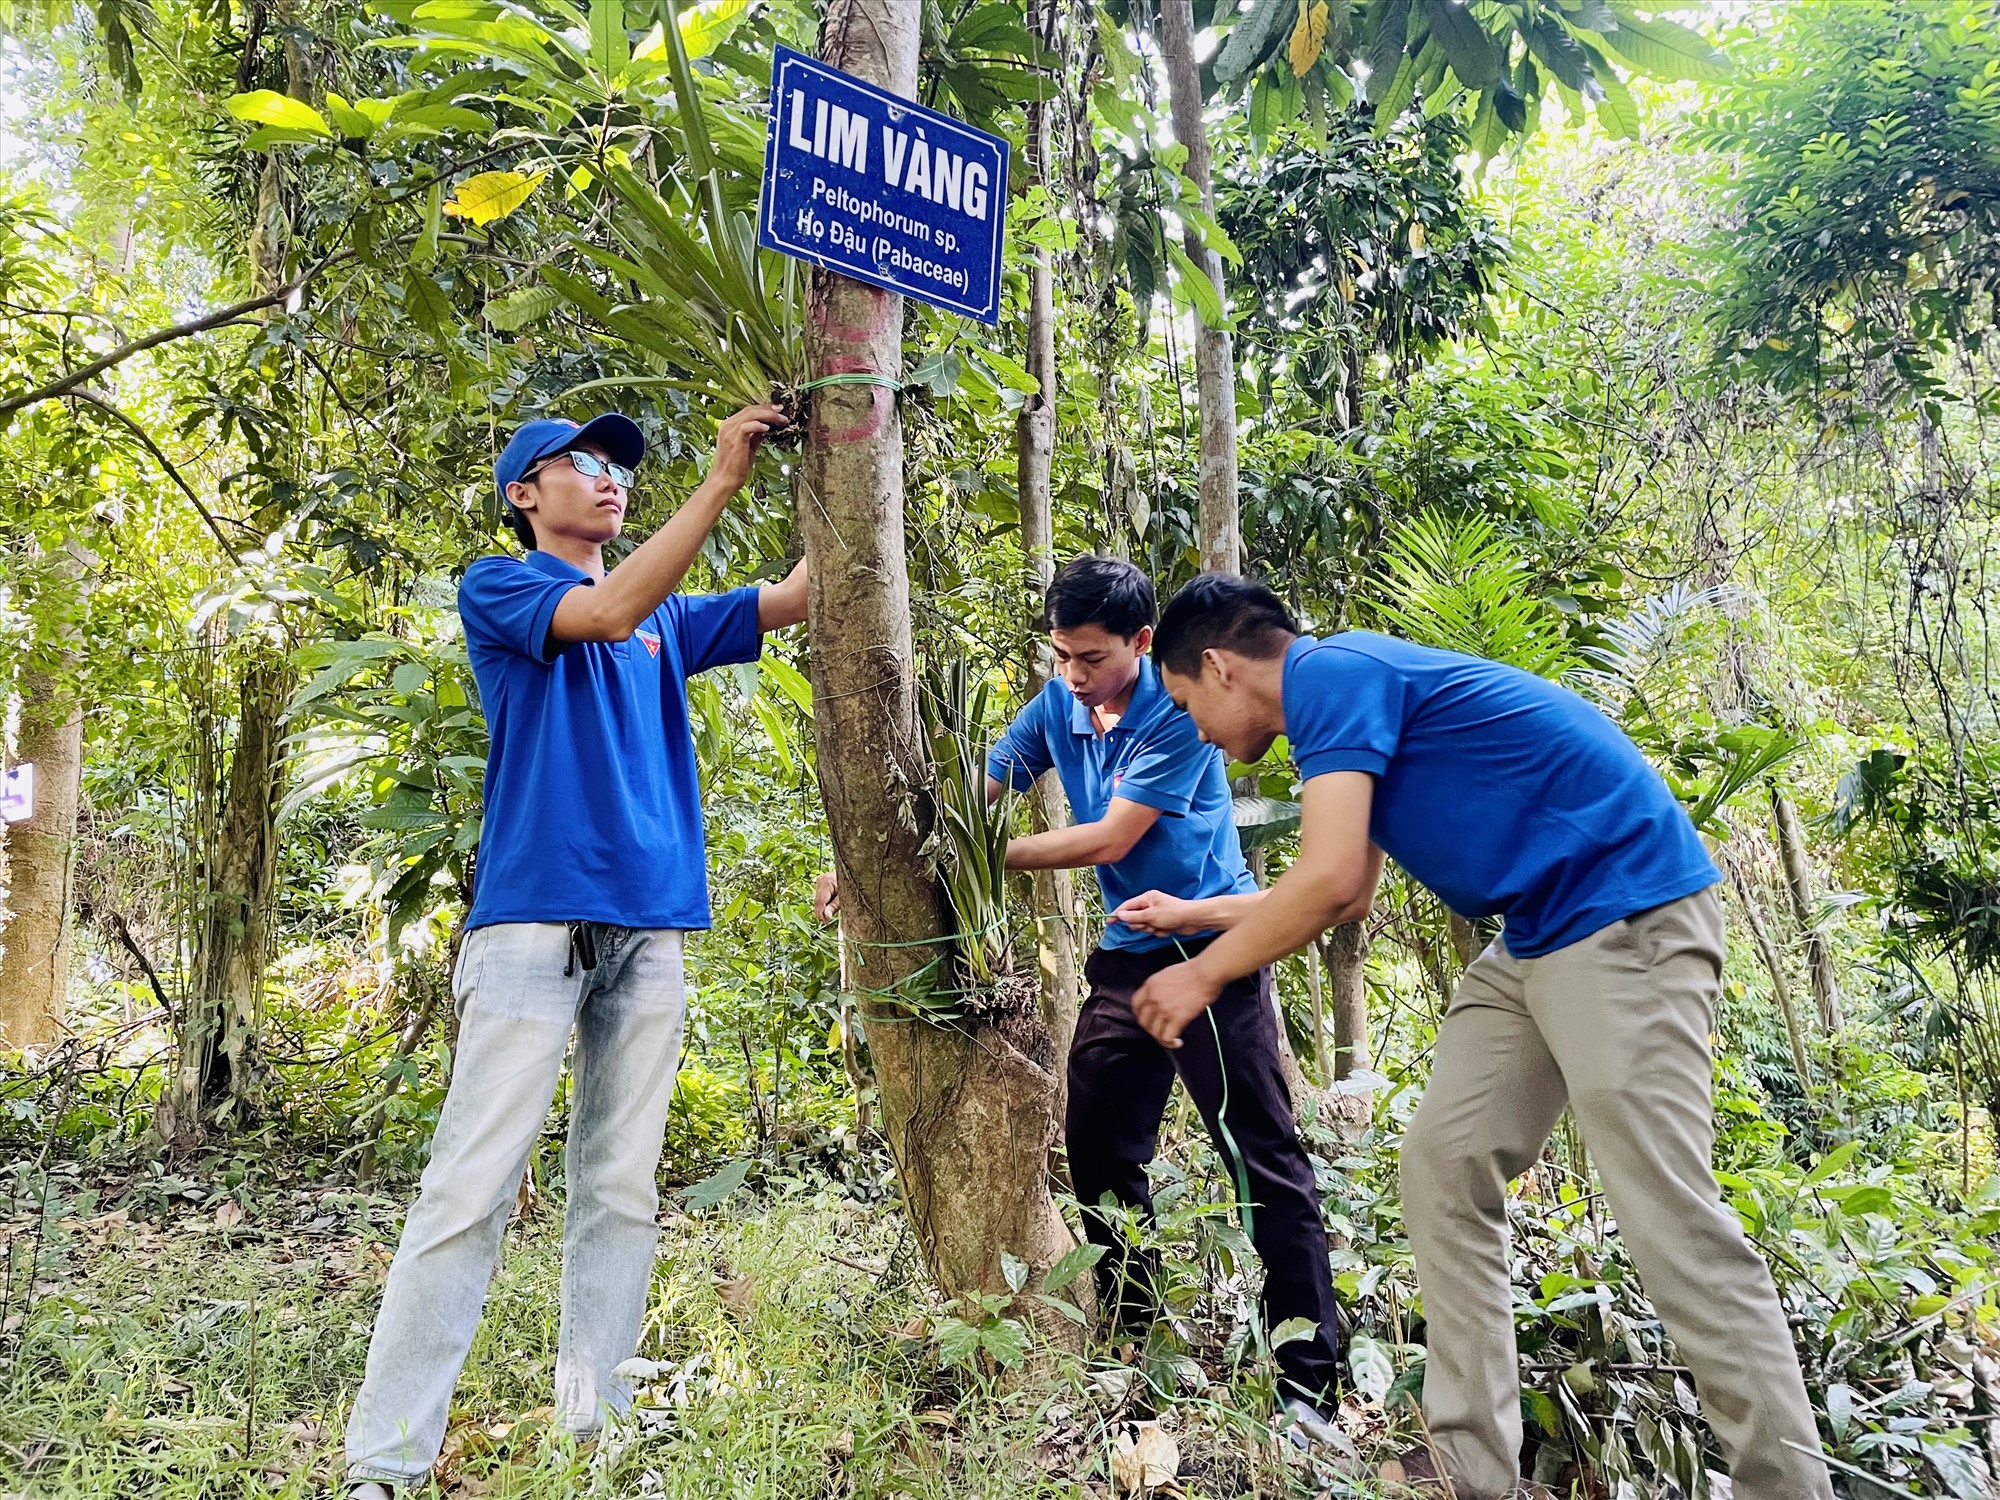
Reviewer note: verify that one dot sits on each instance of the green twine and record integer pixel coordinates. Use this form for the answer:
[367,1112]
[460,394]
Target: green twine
[852,377]
[1241,1173]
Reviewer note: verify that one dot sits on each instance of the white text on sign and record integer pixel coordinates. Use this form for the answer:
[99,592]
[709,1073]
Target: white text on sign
[909,161]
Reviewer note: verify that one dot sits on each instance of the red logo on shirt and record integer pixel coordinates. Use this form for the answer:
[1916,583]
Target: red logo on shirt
[652,642]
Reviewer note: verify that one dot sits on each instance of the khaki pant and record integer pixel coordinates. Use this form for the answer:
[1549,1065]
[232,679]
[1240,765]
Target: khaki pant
[1617,1027]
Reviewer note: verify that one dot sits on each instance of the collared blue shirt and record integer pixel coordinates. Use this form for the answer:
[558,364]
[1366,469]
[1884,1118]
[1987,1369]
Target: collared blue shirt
[1505,793]
[1154,757]
[593,802]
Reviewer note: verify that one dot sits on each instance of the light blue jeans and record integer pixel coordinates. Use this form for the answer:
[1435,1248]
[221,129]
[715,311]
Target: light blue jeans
[516,1009]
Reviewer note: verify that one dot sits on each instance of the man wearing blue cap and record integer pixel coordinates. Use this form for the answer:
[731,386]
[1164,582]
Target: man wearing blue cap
[590,870]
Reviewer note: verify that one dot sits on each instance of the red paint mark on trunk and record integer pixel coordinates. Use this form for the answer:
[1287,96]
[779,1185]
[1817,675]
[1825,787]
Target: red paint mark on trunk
[854,340]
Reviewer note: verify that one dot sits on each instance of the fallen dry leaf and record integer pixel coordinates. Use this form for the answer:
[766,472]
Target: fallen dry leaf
[228,1214]
[738,1294]
[1144,1458]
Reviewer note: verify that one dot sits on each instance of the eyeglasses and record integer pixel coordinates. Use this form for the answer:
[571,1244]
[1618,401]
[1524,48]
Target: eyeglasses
[589,465]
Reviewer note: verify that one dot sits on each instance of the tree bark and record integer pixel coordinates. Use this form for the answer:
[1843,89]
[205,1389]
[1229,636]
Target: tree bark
[1464,938]
[1774,964]
[968,1115]
[218,1066]
[1054,904]
[1214,359]
[1798,880]
[41,852]
[1345,949]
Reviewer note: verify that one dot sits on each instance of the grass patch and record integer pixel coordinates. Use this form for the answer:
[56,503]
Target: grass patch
[204,1350]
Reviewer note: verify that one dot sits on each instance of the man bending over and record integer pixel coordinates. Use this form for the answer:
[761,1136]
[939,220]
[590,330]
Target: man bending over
[1512,797]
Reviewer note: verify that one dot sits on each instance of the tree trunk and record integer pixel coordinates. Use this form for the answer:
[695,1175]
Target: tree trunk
[1055,907]
[218,1067]
[968,1115]
[1214,360]
[1774,964]
[1464,938]
[1798,880]
[1346,952]
[41,852]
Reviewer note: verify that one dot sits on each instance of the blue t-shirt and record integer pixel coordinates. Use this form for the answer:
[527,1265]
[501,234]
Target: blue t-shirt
[1507,795]
[1154,757]
[593,805]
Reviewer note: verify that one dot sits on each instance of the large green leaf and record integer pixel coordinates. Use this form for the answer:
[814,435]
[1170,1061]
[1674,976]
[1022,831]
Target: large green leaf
[610,48]
[1255,39]
[282,111]
[1664,49]
[1464,41]
[1384,56]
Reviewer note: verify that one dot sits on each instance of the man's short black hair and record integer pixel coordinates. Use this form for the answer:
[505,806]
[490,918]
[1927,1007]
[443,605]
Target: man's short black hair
[1106,591]
[1221,612]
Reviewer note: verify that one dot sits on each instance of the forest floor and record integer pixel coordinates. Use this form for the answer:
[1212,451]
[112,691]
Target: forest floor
[184,1338]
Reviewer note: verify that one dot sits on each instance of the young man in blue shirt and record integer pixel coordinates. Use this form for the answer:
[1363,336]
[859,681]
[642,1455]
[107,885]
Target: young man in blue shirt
[591,868]
[1154,810]
[1508,796]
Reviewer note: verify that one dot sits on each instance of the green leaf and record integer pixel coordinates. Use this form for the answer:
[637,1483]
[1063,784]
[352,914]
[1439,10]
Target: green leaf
[1871,1198]
[1265,820]
[1560,53]
[789,679]
[352,123]
[1464,42]
[520,309]
[957,1342]
[431,119]
[713,1189]
[707,26]
[1396,97]
[1385,51]
[687,99]
[1832,1162]
[1069,1310]
[1193,283]
[425,250]
[1005,1342]
[1617,111]
[269,107]
[610,48]
[1369,1361]
[1075,1261]
[427,304]
[1292,1330]
[1255,39]
[1664,49]
[1014,1270]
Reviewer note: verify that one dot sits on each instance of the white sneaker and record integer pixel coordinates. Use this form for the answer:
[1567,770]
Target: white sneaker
[369,1489]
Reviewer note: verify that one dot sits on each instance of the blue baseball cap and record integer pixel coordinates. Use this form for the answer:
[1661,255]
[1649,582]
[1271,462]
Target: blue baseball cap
[619,437]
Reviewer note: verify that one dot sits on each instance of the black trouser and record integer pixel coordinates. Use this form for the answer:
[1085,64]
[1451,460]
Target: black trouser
[1119,1080]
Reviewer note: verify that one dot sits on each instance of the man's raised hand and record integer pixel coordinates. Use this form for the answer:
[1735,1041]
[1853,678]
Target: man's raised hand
[1158,913]
[736,445]
[826,896]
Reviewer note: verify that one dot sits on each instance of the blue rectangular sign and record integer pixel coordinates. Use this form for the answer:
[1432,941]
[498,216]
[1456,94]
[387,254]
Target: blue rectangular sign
[879,188]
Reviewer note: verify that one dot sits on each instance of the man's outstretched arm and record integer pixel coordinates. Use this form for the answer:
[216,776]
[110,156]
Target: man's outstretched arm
[1332,881]
[784,603]
[641,583]
[1103,842]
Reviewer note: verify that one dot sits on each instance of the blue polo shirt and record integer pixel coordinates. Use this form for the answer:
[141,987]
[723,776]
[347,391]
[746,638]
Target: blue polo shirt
[593,804]
[1154,757]
[1507,795]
